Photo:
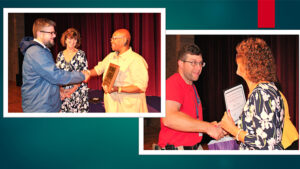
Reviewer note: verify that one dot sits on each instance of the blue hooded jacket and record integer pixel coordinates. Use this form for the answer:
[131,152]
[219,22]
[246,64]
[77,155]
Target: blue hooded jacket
[41,78]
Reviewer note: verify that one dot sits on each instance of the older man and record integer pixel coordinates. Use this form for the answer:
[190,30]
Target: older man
[40,90]
[183,125]
[128,92]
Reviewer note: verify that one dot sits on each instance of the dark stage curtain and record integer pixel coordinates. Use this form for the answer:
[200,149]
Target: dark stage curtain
[96,30]
[220,72]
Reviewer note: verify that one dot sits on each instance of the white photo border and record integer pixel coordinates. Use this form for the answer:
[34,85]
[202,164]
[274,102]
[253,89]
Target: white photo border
[6,11]
[219,152]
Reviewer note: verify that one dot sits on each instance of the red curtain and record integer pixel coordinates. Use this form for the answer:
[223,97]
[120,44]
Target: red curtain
[96,30]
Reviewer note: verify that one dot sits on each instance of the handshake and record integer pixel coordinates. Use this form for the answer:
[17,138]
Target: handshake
[87,75]
[224,127]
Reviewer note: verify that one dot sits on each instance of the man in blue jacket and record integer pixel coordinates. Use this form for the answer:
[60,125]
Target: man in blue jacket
[41,78]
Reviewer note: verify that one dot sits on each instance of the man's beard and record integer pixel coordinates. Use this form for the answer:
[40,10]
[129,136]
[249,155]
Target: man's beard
[49,44]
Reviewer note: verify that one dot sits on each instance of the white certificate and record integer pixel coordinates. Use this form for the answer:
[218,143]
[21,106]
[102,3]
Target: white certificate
[235,101]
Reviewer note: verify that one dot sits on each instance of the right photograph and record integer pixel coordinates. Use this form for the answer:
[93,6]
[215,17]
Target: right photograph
[228,92]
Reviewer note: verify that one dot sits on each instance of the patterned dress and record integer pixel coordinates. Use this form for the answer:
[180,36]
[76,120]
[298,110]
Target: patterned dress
[262,118]
[78,102]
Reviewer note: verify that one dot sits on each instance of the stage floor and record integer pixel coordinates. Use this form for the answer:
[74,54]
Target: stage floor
[15,100]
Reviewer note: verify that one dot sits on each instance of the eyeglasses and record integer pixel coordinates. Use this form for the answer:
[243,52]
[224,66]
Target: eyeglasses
[194,63]
[52,33]
[116,37]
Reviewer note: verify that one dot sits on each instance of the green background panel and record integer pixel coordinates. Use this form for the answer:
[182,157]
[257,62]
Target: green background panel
[83,143]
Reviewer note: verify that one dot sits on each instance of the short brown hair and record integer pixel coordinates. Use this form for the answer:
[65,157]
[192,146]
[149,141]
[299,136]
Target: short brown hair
[188,49]
[40,23]
[70,33]
[258,60]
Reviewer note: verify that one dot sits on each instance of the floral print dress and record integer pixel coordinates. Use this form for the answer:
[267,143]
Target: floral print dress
[78,102]
[262,119]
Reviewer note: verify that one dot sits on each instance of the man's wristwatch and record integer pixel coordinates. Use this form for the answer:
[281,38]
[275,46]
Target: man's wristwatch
[119,89]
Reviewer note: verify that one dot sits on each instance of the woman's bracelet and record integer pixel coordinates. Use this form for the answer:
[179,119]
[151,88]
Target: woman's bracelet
[237,135]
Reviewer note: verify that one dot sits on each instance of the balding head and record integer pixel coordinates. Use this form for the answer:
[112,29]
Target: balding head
[124,33]
[120,40]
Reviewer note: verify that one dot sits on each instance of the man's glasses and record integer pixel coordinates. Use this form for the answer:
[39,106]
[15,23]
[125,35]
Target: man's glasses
[194,63]
[52,33]
[116,37]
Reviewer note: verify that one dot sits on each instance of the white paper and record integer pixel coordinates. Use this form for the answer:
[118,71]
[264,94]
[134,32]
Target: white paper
[235,101]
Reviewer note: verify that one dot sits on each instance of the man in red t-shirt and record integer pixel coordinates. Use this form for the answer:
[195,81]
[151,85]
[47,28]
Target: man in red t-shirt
[183,125]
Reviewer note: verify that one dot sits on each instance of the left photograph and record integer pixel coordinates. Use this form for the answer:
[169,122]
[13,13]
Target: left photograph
[101,64]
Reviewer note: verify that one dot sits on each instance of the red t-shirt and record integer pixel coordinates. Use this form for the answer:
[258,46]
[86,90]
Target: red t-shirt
[177,90]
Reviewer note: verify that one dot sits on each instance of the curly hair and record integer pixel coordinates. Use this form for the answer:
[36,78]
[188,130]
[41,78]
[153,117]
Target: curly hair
[258,60]
[70,33]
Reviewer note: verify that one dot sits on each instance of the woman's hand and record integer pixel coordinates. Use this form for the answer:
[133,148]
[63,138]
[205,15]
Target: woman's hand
[69,92]
[228,124]
[66,93]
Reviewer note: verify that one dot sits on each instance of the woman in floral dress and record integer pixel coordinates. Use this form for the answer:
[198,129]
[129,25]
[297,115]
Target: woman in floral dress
[74,97]
[260,126]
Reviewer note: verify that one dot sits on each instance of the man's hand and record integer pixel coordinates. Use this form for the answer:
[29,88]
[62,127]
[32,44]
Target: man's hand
[111,90]
[215,132]
[214,123]
[87,75]
[105,89]
[219,125]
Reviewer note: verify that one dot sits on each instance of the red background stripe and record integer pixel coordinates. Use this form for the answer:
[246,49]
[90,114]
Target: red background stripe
[266,13]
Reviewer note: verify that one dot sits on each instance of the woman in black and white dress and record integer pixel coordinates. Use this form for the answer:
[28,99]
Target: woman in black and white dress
[75,96]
